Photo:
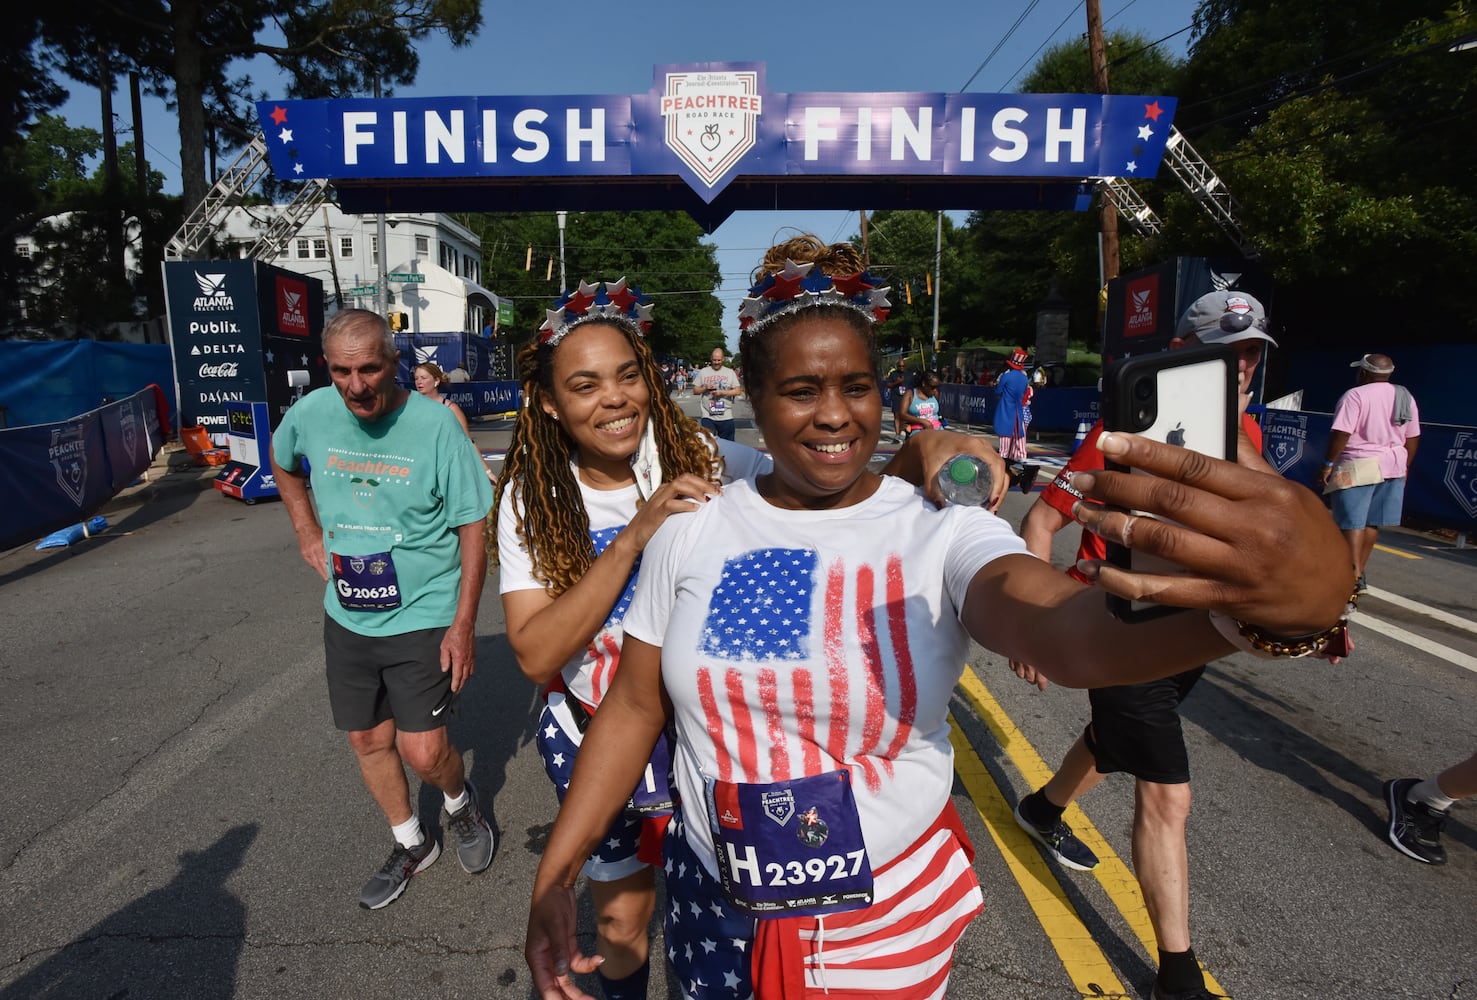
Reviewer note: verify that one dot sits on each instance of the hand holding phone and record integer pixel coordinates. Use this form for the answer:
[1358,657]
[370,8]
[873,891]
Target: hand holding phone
[1183,397]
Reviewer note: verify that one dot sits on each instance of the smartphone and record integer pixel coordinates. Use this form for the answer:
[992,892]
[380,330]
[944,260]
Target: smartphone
[1187,398]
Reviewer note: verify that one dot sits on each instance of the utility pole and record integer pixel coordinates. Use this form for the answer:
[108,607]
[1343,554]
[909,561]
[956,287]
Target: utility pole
[865,253]
[382,285]
[938,282]
[1097,54]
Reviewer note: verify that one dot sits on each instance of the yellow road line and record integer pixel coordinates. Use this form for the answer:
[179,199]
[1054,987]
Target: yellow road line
[1089,969]
[1112,873]
[1397,552]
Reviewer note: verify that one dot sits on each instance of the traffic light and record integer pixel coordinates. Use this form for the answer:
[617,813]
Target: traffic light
[399,321]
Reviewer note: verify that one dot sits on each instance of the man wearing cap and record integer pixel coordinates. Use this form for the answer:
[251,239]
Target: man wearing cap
[1376,429]
[1135,728]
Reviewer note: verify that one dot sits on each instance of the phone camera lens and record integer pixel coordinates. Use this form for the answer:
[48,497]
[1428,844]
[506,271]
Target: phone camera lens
[1143,390]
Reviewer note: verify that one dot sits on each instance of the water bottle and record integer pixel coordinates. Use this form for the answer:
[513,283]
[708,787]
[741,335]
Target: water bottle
[965,480]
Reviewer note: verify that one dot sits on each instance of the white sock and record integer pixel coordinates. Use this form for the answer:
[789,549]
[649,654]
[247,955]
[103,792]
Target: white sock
[409,833]
[455,805]
[1430,793]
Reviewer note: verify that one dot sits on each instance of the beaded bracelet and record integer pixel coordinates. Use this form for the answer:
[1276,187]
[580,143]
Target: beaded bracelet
[1251,639]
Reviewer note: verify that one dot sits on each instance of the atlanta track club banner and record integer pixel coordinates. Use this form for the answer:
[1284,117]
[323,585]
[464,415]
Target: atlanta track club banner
[710,123]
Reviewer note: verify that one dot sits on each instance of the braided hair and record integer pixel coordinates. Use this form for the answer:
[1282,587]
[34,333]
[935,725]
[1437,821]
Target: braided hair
[756,346]
[552,522]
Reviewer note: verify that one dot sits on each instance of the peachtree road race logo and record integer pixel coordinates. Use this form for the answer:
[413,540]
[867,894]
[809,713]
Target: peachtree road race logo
[128,427]
[212,297]
[1286,450]
[710,119]
[68,454]
[1461,471]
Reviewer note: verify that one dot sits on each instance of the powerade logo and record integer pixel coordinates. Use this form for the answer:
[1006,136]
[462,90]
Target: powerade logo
[1141,306]
[292,307]
[213,297]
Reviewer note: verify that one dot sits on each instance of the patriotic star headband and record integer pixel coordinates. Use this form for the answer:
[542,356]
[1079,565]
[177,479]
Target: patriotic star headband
[610,300]
[799,286]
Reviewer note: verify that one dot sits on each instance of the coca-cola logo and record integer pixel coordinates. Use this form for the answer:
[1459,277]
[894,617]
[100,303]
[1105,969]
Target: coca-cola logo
[226,369]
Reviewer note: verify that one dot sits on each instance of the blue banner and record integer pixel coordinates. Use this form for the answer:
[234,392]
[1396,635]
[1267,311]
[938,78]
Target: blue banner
[57,474]
[53,380]
[480,399]
[1440,486]
[711,123]
[1054,408]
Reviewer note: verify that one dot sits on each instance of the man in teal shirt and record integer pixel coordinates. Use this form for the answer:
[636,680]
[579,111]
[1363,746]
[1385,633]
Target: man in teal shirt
[401,498]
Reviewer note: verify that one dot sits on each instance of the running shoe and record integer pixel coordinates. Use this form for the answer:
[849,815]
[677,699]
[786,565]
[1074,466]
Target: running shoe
[474,837]
[1060,843]
[386,885]
[1360,587]
[1415,828]
[1198,993]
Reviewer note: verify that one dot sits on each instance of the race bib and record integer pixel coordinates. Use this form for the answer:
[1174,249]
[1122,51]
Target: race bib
[790,848]
[717,406]
[653,795]
[366,583]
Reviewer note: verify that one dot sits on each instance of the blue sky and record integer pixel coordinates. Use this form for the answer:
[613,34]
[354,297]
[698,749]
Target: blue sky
[867,45]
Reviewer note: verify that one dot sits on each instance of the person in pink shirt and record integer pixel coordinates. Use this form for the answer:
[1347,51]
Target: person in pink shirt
[1376,422]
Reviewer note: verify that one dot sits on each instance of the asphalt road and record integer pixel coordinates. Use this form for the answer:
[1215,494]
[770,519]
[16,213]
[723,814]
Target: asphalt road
[181,819]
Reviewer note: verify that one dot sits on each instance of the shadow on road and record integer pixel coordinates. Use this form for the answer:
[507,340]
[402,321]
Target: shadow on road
[183,940]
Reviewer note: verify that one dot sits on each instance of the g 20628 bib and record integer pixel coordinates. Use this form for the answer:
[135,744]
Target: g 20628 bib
[366,583]
[790,848]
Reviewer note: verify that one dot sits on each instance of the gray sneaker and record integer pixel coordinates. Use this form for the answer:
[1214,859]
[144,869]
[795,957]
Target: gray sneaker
[386,885]
[1060,843]
[474,838]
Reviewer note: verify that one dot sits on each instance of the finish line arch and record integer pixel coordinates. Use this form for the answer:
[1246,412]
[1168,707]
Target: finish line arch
[710,140]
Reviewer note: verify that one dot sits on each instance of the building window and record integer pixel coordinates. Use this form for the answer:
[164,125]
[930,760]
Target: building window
[422,246]
[320,249]
[23,249]
[346,246]
[447,257]
[374,250]
[302,250]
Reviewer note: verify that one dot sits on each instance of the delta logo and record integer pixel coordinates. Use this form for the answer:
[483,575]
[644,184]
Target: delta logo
[213,296]
[1141,307]
[292,307]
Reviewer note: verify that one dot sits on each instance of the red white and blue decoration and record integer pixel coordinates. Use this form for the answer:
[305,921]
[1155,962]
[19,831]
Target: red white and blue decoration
[591,301]
[800,285]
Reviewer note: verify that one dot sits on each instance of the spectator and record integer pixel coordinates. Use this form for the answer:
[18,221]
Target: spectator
[720,386]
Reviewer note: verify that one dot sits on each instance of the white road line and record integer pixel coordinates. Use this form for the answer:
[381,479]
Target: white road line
[1445,617]
[1415,641]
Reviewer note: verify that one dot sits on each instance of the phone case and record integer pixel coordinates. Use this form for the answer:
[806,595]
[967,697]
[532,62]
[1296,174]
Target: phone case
[1185,397]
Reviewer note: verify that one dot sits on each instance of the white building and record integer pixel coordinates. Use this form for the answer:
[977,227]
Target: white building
[343,252]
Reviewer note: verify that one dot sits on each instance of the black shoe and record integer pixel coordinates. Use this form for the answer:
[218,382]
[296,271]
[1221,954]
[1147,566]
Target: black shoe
[1026,477]
[1415,828]
[1060,843]
[386,885]
[474,837]
[1198,993]
[1360,587]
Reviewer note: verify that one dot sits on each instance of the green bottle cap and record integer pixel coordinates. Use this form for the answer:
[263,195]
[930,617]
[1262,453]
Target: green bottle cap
[962,471]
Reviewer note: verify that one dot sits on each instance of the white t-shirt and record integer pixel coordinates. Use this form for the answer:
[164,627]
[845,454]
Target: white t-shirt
[717,407]
[794,639]
[588,674]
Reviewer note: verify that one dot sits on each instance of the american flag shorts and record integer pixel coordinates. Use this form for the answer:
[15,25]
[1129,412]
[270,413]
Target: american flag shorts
[615,857]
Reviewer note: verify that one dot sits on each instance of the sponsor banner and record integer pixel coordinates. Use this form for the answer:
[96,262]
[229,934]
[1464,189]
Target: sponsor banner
[479,399]
[1058,408]
[713,122]
[58,474]
[1440,488]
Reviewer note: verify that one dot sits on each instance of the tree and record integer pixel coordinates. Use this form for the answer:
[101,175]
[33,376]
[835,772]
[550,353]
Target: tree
[185,49]
[660,253]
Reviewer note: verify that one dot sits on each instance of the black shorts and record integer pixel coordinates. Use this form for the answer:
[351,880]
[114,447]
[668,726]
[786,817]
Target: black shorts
[1136,728]
[374,678]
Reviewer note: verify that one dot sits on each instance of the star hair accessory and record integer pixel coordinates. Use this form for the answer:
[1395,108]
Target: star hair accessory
[800,285]
[592,301]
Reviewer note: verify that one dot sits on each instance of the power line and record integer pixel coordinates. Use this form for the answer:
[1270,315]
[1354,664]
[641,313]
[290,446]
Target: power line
[1070,14]
[1000,44]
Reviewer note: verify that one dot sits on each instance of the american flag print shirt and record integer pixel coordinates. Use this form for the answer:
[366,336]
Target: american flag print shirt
[797,642]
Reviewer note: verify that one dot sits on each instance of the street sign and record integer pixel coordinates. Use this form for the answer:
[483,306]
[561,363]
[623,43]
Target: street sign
[364,290]
[407,276]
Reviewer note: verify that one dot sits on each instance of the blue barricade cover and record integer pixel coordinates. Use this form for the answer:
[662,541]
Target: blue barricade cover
[51,381]
[1440,486]
[480,399]
[56,474]
[1053,408]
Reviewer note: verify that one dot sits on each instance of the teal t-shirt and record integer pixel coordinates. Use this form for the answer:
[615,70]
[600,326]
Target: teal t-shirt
[390,495]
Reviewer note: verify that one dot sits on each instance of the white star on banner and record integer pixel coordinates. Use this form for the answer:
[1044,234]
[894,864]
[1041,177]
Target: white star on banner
[285,135]
[1145,132]
[1130,167]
